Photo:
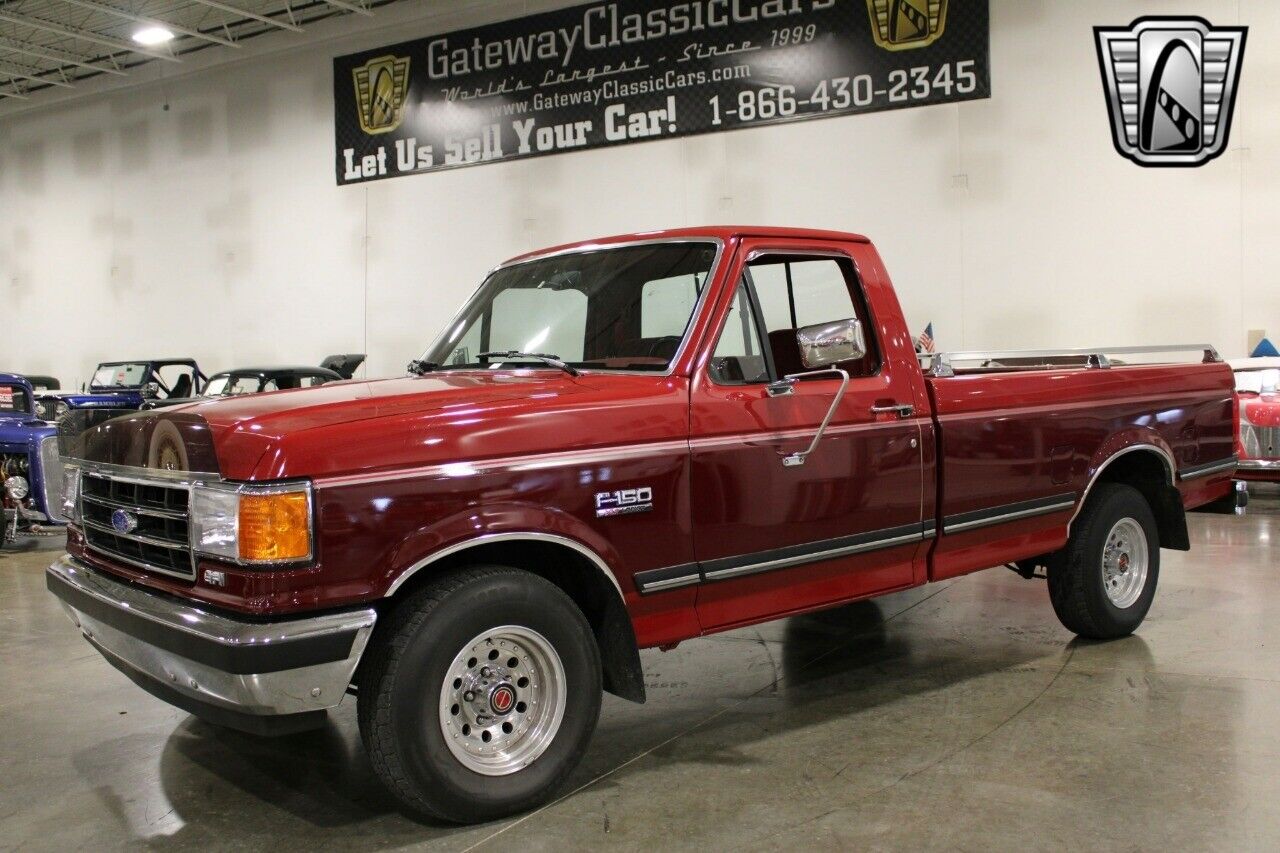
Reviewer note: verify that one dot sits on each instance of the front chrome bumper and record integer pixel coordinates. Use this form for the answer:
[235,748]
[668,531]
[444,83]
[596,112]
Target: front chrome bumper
[268,678]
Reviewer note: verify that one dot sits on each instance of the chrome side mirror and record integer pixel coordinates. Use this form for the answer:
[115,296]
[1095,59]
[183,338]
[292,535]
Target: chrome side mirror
[831,343]
[151,391]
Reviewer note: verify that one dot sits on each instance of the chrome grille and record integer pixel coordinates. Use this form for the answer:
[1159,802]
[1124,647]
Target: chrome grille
[51,476]
[1260,442]
[161,541]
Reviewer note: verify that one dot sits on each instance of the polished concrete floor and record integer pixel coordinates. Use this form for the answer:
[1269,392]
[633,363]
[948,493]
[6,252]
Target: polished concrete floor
[959,716]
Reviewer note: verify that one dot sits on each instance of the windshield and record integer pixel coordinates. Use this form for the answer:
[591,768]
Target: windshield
[611,309]
[13,400]
[228,385]
[119,375]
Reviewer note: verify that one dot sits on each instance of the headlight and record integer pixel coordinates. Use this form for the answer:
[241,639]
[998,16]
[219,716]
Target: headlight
[60,408]
[17,487]
[253,525]
[71,494]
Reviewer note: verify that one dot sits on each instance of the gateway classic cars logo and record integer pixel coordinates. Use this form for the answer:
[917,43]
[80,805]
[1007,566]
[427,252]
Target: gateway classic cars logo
[381,86]
[904,24]
[1171,87]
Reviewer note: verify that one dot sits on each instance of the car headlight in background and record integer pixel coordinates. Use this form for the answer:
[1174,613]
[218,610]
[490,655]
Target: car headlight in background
[253,525]
[16,487]
[70,494]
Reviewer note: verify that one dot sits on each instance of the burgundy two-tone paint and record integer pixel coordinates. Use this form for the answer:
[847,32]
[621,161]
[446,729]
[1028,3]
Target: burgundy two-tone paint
[404,470]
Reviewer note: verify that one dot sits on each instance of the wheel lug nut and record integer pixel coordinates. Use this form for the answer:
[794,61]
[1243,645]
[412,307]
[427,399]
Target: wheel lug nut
[470,696]
[486,672]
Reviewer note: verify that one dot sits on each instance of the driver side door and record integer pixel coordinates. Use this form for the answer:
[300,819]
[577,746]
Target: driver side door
[774,538]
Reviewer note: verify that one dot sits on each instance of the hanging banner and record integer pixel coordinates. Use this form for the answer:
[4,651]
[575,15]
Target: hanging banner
[639,70]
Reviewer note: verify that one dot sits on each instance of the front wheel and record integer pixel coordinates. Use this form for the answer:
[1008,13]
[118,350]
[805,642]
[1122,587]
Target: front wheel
[1103,582]
[480,695]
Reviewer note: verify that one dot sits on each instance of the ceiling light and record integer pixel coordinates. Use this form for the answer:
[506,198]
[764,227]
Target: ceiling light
[152,35]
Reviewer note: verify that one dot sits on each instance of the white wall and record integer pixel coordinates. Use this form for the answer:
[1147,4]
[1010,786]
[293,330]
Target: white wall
[215,228]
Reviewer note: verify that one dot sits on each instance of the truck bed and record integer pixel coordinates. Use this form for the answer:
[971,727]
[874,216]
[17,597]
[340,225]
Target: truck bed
[1021,436]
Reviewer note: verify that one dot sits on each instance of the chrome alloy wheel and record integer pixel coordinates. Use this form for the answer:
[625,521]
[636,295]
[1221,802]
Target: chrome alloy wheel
[1125,563]
[502,700]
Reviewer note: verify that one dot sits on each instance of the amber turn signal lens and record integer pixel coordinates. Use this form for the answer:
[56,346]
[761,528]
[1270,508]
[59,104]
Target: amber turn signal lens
[275,527]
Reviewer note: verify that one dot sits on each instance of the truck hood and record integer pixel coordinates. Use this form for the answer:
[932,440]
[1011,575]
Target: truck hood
[281,413]
[357,427]
[23,429]
[81,399]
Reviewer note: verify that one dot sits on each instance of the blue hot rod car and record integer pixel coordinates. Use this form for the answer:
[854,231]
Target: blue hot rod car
[30,466]
[119,387]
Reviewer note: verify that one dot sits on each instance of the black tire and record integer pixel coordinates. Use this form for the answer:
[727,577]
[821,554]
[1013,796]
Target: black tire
[1076,574]
[404,673]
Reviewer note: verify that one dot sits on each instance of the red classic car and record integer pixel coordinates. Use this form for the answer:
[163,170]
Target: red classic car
[1258,418]
[620,444]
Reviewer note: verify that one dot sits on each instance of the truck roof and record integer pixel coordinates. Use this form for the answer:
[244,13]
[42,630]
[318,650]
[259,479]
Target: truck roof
[717,232]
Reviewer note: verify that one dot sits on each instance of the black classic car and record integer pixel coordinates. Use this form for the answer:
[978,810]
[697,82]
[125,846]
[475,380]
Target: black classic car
[256,380]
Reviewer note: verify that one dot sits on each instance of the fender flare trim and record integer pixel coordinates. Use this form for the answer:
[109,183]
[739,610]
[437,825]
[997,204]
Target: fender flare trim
[1170,470]
[492,538]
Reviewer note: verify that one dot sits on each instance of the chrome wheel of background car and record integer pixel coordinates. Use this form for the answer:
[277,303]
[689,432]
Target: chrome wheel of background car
[1124,563]
[502,700]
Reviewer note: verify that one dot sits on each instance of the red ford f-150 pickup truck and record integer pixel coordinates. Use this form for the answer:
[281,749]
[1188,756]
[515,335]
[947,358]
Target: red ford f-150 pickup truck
[615,445]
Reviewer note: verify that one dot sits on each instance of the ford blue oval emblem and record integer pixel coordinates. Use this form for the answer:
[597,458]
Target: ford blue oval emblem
[124,522]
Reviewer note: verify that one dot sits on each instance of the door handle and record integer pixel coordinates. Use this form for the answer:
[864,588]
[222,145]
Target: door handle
[902,410]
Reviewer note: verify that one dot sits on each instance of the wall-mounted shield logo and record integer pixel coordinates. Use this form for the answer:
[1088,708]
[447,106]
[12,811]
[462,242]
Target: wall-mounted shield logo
[905,24]
[382,84]
[1171,88]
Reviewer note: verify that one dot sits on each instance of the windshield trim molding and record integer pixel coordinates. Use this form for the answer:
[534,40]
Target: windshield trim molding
[698,306]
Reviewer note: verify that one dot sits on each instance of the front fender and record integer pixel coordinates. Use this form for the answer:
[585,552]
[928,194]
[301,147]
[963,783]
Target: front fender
[446,536]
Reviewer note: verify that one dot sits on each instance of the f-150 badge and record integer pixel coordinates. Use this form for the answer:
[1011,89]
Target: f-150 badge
[1171,87]
[624,502]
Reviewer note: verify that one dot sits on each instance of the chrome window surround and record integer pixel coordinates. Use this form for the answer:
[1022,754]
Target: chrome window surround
[600,247]
[942,364]
[190,481]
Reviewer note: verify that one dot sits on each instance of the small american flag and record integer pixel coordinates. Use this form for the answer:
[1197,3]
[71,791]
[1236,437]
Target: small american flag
[925,342]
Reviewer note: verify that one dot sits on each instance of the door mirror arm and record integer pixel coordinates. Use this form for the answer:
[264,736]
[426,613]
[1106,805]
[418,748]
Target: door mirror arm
[795,460]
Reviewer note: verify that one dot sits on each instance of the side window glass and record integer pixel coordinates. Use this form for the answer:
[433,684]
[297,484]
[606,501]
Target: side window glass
[739,354]
[795,292]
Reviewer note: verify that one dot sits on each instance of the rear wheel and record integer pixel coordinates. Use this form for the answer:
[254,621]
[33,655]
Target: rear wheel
[480,695]
[1103,582]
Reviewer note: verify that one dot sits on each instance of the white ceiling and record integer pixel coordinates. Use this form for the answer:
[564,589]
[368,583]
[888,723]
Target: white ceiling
[51,45]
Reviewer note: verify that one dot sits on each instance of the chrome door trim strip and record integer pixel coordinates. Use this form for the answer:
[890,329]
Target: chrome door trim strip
[811,552]
[672,577]
[1195,472]
[1008,512]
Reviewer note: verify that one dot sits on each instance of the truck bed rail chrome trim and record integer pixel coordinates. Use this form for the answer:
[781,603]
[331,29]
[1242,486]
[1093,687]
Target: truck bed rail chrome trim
[942,364]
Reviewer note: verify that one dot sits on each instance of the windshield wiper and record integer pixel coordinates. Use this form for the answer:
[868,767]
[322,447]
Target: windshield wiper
[552,360]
